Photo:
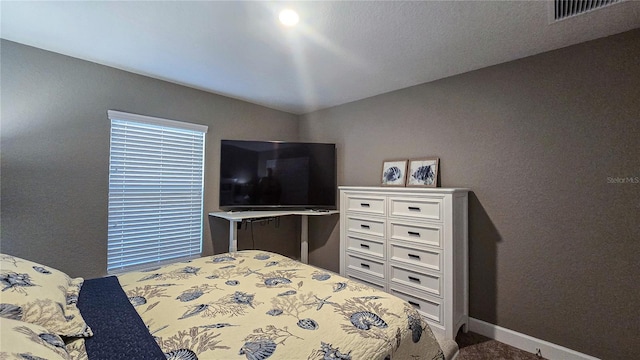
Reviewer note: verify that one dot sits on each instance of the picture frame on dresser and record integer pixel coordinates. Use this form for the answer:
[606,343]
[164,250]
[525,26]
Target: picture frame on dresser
[423,172]
[394,172]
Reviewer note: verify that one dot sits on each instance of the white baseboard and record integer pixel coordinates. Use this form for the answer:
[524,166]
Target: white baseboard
[525,342]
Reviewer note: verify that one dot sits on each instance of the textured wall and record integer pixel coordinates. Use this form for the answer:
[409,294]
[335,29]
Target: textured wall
[55,152]
[554,242]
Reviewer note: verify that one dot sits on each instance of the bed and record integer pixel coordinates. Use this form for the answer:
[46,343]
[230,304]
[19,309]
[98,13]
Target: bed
[243,305]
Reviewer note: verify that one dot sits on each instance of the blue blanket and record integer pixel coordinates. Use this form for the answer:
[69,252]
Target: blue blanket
[119,333]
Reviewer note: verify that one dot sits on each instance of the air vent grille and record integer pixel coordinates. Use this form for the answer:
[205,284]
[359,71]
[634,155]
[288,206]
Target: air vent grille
[567,8]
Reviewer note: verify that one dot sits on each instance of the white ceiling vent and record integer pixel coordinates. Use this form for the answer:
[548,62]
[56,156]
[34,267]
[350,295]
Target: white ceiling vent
[563,9]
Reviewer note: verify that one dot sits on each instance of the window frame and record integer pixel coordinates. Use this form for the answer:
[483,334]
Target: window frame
[151,124]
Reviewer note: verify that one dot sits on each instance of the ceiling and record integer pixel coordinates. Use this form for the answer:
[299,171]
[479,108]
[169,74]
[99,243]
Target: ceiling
[341,51]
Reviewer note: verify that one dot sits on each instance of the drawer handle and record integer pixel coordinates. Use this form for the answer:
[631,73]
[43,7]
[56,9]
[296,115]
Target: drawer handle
[366,266]
[365,205]
[365,226]
[414,279]
[364,246]
[417,257]
[414,304]
[414,233]
[414,208]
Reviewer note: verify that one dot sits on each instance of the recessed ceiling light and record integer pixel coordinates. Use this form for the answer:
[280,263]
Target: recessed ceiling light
[289,17]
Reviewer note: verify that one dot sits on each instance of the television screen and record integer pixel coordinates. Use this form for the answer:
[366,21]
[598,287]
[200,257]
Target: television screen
[271,175]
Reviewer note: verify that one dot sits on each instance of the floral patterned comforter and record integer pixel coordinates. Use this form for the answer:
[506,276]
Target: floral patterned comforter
[257,305]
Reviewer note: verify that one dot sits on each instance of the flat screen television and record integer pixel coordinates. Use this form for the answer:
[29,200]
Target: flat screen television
[274,175]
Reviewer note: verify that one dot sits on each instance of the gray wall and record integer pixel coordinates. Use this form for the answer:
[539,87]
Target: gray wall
[554,246]
[55,152]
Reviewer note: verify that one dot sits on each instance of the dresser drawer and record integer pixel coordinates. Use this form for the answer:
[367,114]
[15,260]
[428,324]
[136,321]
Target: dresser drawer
[366,266]
[366,226]
[366,204]
[429,307]
[426,282]
[423,208]
[424,233]
[366,246]
[425,258]
[366,281]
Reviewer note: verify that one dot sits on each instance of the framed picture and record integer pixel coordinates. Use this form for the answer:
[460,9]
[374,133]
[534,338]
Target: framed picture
[423,172]
[394,172]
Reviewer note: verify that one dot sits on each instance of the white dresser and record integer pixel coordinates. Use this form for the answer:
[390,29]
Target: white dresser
[413,243]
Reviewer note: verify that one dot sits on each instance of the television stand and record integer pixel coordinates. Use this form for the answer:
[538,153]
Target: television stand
[235,217]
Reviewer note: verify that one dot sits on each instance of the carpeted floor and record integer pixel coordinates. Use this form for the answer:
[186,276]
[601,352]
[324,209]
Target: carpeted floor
[477,347]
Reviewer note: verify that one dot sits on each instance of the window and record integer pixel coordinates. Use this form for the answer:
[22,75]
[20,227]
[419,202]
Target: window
[156,183]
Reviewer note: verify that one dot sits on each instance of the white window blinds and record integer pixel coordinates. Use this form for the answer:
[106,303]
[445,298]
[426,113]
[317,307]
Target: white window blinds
[156,181]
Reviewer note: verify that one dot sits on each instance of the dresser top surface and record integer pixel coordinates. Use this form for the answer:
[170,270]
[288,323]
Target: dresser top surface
[401,189]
